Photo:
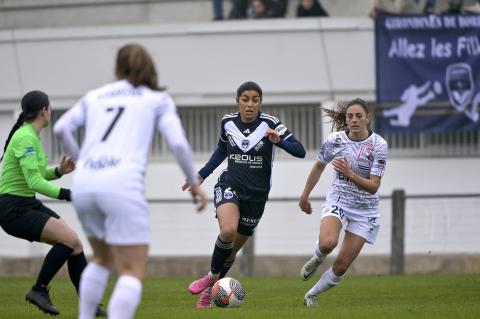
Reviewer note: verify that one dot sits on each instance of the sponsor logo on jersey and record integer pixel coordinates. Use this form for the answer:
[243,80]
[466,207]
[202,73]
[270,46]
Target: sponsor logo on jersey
[245,143]
[247,131]
[102,162]
[381,161]
[281,129]
[246,159]
[259,145]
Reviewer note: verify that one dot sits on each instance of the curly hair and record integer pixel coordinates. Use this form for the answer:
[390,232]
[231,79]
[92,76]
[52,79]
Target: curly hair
[338,115]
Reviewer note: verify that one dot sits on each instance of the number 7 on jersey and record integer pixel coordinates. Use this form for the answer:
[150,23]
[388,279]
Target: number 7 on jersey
[119,110]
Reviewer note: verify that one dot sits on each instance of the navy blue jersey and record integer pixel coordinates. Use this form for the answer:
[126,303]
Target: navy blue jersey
[250,153]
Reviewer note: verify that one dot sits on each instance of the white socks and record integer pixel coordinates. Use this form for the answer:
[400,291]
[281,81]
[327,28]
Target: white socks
[125,298]
[92,287]
[327,281]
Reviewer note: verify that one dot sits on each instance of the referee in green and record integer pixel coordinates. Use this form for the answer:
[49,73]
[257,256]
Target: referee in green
[25,173]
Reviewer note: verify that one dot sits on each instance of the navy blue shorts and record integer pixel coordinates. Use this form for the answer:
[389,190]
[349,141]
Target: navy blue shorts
[251,208]
[24,217]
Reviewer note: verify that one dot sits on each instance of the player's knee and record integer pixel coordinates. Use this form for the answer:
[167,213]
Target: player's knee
[326,246]
[227,234]
[73,242]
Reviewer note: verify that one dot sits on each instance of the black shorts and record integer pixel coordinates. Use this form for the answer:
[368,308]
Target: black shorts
[24,217]
[251,208]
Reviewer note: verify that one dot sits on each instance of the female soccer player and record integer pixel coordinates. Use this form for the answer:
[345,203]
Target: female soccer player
[248,138]
[358,156]
[119,120]
[24,174]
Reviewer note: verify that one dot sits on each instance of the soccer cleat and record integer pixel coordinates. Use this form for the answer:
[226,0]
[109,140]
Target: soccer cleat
[205,300]
[309,268]
[310,301]
[200,285]
[40,298]
[100,312]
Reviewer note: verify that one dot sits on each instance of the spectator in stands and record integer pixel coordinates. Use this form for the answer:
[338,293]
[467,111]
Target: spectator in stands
[266,9]
[258,9]
[277,8]
[358,156]
[310,8]
[238,9]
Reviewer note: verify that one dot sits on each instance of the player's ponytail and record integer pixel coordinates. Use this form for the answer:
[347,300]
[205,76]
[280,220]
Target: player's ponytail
[338,115]
[32,103]
[136,66]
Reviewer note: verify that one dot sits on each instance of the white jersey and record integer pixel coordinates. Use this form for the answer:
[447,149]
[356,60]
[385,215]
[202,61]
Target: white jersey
[119,121]
[365,158]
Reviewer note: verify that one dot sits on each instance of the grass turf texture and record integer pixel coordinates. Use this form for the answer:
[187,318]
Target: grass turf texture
[416,296]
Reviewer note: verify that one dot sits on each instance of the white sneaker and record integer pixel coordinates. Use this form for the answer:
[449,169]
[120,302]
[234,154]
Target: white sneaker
[310,301]
[309,268]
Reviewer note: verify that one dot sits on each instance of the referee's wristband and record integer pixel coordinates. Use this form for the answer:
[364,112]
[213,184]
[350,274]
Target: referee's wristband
[57,172]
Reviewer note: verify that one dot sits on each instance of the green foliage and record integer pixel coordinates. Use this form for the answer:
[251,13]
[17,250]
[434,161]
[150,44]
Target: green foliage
[419,296]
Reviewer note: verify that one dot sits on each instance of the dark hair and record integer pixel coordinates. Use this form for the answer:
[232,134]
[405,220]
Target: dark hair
[136,65]
[249,86]
[338,115]
[32,103]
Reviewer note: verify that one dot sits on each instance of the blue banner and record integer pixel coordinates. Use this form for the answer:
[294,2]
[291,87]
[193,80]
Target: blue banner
[428,73]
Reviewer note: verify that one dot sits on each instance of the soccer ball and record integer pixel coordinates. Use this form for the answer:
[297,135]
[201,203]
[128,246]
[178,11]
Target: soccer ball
[228,292]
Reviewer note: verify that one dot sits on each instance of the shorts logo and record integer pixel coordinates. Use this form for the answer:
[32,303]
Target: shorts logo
[218,194]
[228,194]
[245,143]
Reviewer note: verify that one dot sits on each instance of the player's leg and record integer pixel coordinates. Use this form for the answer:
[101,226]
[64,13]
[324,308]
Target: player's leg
[95,275]
[65,245]
[238,243]
[330,226]
[130,263]
[94,280]
[251,212]
[351,247]
[127,232]
[227,214]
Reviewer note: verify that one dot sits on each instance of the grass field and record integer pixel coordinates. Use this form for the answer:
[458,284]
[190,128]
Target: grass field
[419,296]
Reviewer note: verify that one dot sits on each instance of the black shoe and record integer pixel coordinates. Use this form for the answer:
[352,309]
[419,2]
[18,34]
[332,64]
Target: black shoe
[40,298]
[100,312]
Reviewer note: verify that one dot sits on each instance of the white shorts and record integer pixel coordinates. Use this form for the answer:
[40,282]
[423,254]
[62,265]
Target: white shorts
[354,222]
[114,219]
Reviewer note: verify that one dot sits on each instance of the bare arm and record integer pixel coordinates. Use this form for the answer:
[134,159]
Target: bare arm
[312,180]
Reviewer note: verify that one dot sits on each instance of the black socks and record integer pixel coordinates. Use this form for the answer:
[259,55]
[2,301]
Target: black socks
[220,254]
[52,263]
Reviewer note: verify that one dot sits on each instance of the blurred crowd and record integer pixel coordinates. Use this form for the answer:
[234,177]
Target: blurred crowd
[257,9]
[425,6]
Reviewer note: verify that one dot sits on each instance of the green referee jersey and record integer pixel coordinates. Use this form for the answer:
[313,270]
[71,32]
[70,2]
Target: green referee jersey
[24,170]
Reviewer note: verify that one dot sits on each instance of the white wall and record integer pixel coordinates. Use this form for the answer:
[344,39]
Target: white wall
[296,61]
